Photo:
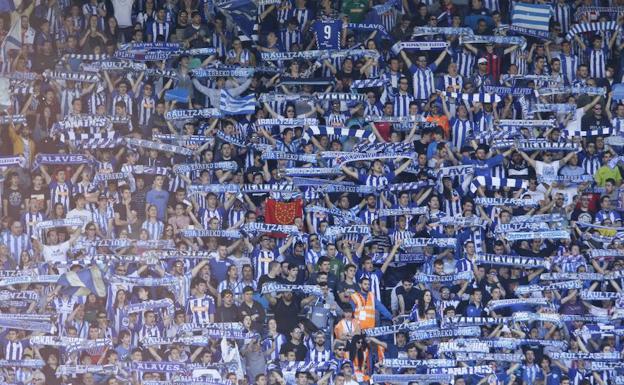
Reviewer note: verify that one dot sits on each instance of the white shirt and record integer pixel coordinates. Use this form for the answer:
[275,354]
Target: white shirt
[56,253]
[123,10]
[546,169]
[84,215]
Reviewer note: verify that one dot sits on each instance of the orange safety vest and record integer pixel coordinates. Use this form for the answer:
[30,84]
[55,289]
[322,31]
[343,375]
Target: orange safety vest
[364,310]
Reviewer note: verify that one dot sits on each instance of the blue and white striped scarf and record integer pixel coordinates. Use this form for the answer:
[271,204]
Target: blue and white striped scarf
[474,98]
[495,183]
[338,131]
[591,27]
[368,83]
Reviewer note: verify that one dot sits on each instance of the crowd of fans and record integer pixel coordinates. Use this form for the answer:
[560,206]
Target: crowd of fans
[359,272]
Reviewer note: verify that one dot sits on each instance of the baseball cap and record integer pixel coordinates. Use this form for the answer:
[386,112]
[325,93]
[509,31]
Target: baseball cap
[482,60]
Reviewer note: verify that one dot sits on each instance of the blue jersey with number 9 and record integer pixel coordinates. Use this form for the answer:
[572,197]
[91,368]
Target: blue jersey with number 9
[327,34]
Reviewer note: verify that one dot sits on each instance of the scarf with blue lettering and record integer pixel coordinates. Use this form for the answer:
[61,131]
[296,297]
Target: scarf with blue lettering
[369,27]
[28,279]
[563,285]
[140,307]
[572,90]
[341,96]
[514,227]
[393,329]
[168,281]
[25,323]
[402,211]
[335,211]
[419,46]
[265,187]
[408,378]
[512,202]
[200,233]
[185,168]
[537,218]
[7,161]
[72,344]
[77,77]
[282,155]
[358,189]
[422,242]
[536,145]
[224,71]
[70,370]
[161,55]
[336,231]
[573,276]
[184,139]
[552,234]
[274,287]
[503,40]
[511,260]
[420,335]
[405,363]
[256,227]
[399,258]
[500,357]
[59,159]
[306,171]
[502,303]
[465,275]
[601,254]
[514,91]
[307,55]
[28,363]
[16,119]
[110,65]
[192,114]
[460,221]
[591,27]
[526,123]
[560,108]
[464,370]
[424,31]
[148,144]
[21,76]
[294,122]
[566,179]
[495,183]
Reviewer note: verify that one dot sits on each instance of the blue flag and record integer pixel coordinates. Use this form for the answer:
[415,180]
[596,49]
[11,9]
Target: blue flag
[244,14]
[84,282]
[230,105]
[531,19]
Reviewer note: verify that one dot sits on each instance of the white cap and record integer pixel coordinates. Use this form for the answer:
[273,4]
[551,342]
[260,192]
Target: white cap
[482,60]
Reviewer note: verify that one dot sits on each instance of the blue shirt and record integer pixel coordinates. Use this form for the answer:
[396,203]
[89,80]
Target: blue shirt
[484,167]
[158,198]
